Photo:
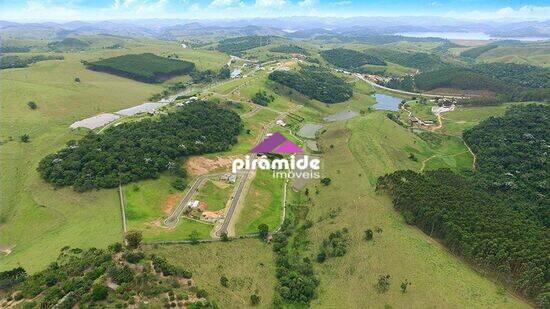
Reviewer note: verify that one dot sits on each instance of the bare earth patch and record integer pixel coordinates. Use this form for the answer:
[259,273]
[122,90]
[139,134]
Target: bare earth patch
[6,249]
[200,165]
[157,223]
[170,203]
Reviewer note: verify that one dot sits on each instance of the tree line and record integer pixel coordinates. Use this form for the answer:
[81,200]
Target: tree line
[498,216]
[146,67]
[349,59]
[315,82]
[498,79]
[118,277]
[511,158]
[12,61]
[139,150]
[235,46]
[289,49]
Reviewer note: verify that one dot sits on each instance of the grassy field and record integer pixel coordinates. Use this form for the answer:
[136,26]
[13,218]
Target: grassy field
[533,54]
[392,69]
[247,263]
[148,202]
[422,111]
[363,149]
[35,219]
[214,194]
[253,126]
[463,118]
[262,204]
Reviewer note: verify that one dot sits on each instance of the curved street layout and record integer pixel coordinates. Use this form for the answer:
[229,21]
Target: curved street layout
[173,219]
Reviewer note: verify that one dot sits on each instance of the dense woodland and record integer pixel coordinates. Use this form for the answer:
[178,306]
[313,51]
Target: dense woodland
[140,150]
[475,52]
[418,60]
[497,78]
[512,154]
[115,278]
[459,79]
[12,61]
[147,67]
[519,74]
[289,49]
[296,280]
[14,49]
[315,82]
[349,59]
[235,46]
[498,216]
[262,98]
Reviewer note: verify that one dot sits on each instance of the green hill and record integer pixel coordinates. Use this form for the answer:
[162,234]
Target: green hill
[349,59]
[69,44]
[316,83]
[147,67]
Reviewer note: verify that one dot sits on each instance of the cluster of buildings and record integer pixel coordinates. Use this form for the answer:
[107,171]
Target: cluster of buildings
[208,216]
[188,101]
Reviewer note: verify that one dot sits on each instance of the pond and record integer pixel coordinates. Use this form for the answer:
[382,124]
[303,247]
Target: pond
[309,130]
[343,115]
[386,102]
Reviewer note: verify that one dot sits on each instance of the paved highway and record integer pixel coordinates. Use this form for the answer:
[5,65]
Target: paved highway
[234,202]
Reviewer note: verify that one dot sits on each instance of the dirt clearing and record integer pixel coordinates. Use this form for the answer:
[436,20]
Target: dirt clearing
[200,165]
[170,203]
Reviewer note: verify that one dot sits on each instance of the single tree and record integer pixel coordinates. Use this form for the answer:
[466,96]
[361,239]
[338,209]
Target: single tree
[224,237]
[99,292]
[133,238]
[368,234]
[115,248]
[263,230]
[255,299]
[224,281]
[321,257]
[404,286]
[383,284]
[178,184]
[326,181]
[25,138]
[194,237]
[77,79]
[32,105]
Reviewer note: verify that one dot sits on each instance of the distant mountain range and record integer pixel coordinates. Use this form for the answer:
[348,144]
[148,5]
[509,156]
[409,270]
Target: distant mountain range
[284,26]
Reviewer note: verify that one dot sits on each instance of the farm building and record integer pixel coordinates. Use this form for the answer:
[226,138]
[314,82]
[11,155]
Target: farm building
[193,204]
[280,123]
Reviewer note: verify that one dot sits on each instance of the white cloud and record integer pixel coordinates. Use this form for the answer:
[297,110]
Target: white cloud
[270,3]
[225,3]
[527,12]
[341,3]
[307,3]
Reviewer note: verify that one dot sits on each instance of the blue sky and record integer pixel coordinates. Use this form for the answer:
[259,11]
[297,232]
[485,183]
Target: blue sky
[58,10]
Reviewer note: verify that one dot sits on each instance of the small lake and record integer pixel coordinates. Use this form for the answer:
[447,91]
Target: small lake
[309,130]
[464,36]
[343,115]
[386,102]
